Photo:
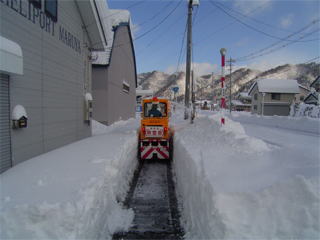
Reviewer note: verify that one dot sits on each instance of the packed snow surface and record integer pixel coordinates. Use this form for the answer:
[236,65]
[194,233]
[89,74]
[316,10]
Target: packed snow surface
[72,192]
[246,180]
[252,178]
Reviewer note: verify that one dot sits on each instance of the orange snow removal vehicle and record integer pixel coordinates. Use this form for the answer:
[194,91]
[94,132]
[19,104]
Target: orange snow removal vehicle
[155,139]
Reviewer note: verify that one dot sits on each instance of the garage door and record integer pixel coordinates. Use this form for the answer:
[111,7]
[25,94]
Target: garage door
[5,141]
[279,110]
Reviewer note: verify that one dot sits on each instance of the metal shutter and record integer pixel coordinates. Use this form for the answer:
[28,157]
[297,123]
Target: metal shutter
[5,140]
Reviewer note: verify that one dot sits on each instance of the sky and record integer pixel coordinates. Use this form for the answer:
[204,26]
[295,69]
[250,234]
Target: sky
[271,32]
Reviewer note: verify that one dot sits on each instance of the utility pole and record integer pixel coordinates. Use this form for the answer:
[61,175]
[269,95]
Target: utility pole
[188,60]
[212,105]
[230,61]
[193,99]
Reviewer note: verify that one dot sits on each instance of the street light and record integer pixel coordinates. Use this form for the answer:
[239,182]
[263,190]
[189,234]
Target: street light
[223,51]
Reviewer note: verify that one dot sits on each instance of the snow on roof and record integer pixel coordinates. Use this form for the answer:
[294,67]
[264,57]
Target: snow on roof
[271,85]
[244,95]
[112,18]
[11,58]
[18,112]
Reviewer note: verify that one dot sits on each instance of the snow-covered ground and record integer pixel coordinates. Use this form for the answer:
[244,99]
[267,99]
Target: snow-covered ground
[72,192]
[253,178]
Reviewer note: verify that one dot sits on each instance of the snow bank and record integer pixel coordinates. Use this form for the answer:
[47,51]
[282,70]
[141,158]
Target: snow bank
[305,110]
[302,124]
[234,186]
[72,192]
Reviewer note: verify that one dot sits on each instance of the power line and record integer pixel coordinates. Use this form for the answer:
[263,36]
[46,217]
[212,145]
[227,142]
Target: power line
[253,28]
[150,30]
[227,25]
[254,55]
[157,14]
[254,19]
[162,21]
[277,42]
[182,46]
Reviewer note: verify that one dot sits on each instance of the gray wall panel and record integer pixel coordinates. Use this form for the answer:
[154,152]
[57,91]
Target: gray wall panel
[52,86]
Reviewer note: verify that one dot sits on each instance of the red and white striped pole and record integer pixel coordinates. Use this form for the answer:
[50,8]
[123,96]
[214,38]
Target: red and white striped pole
[223,99]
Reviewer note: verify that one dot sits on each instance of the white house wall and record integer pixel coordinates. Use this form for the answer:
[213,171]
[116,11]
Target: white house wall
[56,75]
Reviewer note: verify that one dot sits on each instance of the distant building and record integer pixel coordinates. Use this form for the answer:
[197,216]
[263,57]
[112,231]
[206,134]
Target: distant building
[45,74]
[273,96]
[242,102]
[114,73]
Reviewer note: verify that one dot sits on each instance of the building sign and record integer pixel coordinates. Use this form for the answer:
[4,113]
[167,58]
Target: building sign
[38,17]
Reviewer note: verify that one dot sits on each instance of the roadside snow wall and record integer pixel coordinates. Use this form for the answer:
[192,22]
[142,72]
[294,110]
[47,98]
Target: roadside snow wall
[72,192]
[232,187]
[303,124]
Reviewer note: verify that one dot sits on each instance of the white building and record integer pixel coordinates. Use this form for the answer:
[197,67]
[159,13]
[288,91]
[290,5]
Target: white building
[273,96]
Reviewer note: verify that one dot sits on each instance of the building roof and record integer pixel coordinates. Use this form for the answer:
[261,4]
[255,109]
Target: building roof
[244,95]
[270,85]
[91,13]
[113,18]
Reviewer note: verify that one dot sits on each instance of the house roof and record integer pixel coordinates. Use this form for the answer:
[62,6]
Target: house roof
[317,80]
[244,95]
[312,97]
[270,85]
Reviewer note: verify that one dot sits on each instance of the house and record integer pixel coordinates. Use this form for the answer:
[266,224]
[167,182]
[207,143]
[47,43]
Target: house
[114,72]
[273,96]
[45,52]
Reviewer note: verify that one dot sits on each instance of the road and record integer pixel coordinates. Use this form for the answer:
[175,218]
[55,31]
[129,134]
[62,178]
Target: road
[152,197]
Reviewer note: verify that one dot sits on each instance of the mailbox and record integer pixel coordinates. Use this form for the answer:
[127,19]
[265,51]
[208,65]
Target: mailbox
[19,117]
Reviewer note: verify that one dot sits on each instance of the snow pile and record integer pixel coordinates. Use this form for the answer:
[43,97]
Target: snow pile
[235,186]
[72,192]
[308,125]
[305,110]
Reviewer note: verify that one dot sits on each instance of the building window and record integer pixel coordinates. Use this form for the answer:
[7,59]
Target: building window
[51,9]
[36,3]
[255,107]
[275,96]
[125,87]
[256,96]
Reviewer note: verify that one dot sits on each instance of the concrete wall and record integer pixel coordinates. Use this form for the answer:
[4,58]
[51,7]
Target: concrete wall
[111,103]
[56,75]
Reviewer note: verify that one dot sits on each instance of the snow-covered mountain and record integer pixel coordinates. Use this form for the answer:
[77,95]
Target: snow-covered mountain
[161,83]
